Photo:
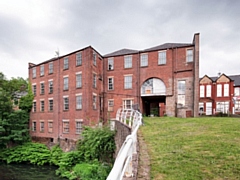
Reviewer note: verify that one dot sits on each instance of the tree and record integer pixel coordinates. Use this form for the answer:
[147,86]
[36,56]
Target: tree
[26,101]
[14,124]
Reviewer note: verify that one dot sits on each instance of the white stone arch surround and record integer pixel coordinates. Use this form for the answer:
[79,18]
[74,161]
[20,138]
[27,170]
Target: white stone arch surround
[153,87]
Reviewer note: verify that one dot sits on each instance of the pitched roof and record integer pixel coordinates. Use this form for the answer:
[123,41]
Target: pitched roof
[235,78]
[167,46]
[122,52]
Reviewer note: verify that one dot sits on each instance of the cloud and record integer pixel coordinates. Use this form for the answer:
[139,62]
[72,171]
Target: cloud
[31,31]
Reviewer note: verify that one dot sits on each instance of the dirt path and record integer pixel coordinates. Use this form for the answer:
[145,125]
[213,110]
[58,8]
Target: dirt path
[143,172]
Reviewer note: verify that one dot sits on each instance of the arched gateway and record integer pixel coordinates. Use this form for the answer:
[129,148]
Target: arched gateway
[153,94]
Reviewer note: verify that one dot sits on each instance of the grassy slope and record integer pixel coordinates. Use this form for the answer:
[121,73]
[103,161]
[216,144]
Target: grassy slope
[193,148]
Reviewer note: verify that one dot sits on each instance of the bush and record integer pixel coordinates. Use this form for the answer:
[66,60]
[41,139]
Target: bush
[97,144]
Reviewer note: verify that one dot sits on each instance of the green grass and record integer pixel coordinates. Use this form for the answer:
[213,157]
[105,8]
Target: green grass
[193,148]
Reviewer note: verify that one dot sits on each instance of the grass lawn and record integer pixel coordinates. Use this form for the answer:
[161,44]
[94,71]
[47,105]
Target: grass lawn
[193,148]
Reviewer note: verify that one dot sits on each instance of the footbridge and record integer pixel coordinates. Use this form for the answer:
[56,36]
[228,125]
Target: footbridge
[123,167]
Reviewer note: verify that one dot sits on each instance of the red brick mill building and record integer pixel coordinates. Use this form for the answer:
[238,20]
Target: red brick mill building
[85,88]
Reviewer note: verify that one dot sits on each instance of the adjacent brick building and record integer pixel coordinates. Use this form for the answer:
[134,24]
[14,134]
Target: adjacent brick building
[85,88]
[219,94]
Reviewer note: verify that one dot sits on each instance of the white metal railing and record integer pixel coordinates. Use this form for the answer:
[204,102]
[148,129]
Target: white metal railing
[123,163]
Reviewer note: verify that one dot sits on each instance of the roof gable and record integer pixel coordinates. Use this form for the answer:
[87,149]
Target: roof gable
[205,80]
[223,78]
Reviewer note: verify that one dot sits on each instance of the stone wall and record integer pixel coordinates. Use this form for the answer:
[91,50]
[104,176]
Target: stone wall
[122,131]
[65,144]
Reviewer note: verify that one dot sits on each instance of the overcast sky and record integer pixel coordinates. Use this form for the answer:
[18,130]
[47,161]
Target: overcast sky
[32,30]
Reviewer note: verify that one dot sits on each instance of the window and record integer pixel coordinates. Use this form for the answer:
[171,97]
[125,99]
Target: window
[208,108]
[127,103]
[94,80]
[94,59]
[50,68]
[78,80]
[209,91]
[202,90]
[219,90]
[110,104]
[237,106]
[34,106]
[181,93]
[79,102]
[162,57]
[237,91]
[189,55]
[79,126]
[34,72]
[65,126]
[201,108]
[41,126]
[127,82]
[50,126]
[144,60]
[65,63]
[65,83]
[50,104]
[127,61]
[50,87]
[226,90]
[42,105]
[110,83]
[65,103]
[34,89]
[34,126]
[42,88]
[42,70]
[222,107]
[94,102]
[110,64]
[79,59]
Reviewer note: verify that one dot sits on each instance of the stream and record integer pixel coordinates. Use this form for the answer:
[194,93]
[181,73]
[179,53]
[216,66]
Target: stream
[28,172]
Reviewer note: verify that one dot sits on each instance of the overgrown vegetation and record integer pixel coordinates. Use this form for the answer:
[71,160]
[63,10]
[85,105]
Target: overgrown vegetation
[193,148]
[92,159]
[14,124]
